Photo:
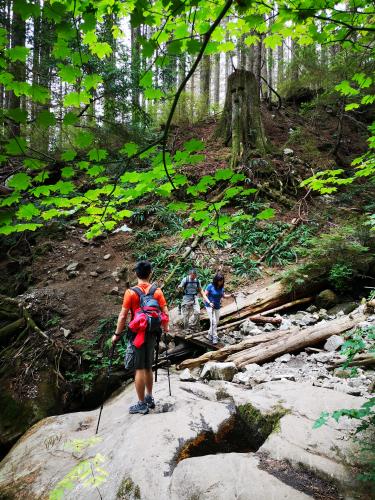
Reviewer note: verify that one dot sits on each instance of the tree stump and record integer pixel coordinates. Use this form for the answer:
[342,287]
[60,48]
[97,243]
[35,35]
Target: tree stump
[241,123]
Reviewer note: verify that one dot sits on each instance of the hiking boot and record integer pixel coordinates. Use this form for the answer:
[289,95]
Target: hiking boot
[149,400]
[140,407]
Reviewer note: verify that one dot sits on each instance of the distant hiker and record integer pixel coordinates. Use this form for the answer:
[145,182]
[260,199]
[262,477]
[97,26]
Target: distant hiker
[191,287]
[149,315]
[214,293]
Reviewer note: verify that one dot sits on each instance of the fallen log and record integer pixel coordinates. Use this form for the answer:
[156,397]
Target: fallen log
[358,360]
[256,319]
[295,341]
[268,299]
[288,305]
[224,352]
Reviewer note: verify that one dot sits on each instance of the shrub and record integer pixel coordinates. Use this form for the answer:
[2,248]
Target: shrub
[337,257]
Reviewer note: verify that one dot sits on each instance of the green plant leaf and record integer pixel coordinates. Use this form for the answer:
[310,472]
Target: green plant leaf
[20,181]
[68,155]
[27,211]
[16,146]
[83,139]
[46,119]
[18,53]
[97,154]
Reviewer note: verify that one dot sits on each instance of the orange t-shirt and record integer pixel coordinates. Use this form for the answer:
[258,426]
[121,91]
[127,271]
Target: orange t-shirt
[131,299]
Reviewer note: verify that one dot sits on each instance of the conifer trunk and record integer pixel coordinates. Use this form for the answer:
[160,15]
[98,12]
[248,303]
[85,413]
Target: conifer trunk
[241,123]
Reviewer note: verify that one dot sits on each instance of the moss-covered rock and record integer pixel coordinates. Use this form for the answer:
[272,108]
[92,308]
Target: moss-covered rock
[260,425]
[18,414]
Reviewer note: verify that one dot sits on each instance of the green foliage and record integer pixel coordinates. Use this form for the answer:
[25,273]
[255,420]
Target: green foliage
[81,56]
[339,256]
[95,355]
[340,275]
[253,239]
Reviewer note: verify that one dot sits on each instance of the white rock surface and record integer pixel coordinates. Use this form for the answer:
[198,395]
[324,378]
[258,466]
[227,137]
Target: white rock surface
[130,443]
[226,477]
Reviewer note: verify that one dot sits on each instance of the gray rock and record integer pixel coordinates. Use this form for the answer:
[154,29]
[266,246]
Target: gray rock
[219,371]
[286,324]
[333,343]
[268,327]
[288,152]
[176,420]
[186,376]
[282,375]
[284,358]
[107,256]
[345,307]
[323,357]
[250,328]
[327,298]
[65,332]
[94,274]
[312,309]
[114,291]
[73,266]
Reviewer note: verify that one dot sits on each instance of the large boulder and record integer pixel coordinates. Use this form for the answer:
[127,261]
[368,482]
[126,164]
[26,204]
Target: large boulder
[219,371]
[148,457]
[326,299]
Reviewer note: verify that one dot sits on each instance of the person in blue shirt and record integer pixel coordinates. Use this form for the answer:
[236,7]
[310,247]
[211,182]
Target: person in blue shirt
[214,293]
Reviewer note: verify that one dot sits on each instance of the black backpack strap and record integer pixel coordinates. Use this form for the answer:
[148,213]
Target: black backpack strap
[138,291]
[152,290]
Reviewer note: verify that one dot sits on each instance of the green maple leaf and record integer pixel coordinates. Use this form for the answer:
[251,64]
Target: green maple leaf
[92,81]
[18,53]
[46,119]
[97,154]
[27,212]
[19,181]
[83,139]
[69,73]
[68,155]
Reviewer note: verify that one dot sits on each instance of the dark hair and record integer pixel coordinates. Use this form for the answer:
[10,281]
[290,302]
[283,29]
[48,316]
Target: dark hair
[143,269]
[215,281]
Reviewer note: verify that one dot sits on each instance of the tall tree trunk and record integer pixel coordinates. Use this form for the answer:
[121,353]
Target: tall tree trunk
[217,79]
[17,68]
[135,71]
[280,64]
[241,123]
[205,74]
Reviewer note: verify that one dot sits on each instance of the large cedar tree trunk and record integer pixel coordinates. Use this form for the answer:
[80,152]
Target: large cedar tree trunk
[241,123]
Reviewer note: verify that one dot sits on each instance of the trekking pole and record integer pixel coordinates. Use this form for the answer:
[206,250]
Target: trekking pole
[157,357]
[106,385]
[166,357]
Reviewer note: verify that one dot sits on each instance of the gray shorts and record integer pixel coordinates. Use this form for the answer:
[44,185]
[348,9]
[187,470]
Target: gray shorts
[140,358]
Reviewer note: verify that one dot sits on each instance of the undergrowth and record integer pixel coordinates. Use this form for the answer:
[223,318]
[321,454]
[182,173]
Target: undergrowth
[338,258]
[95,355]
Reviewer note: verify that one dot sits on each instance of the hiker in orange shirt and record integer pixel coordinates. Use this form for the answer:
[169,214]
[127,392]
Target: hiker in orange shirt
[149,314]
